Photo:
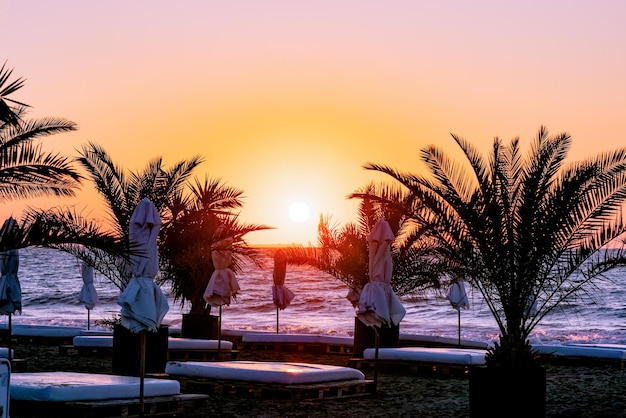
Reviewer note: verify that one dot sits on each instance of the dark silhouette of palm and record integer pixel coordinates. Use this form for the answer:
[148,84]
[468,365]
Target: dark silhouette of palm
[9,114]
[123,191]
[527,231]
[26,170]
[199,219]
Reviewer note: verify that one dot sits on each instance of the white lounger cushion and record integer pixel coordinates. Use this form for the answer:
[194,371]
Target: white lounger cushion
[68,386]
[457,356]
[442,340]
[44,331]
[581,351]
[197,344]
[600,345]
[295,338]
[263,371]
[172,343]
[93,341]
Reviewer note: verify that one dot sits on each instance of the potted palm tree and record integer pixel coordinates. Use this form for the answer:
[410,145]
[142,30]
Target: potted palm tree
[122,191]
[343,253]
[199,220]
[526,231]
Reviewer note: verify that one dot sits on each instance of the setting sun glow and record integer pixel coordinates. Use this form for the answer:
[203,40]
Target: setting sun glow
[299,212]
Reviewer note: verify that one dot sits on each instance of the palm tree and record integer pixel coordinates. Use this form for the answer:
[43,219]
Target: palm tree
[344,253]
[8,113]
[26,170]
[122,192]
[198,220]
[527,231]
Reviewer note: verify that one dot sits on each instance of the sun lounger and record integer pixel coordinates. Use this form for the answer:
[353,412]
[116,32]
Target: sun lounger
[410,340]
[419,359]
[298,342]
[601,352]
[198,349]
[72,394]
[5,381]
[430,355]
[44,332]
[259,378]
[178,348]
[600,345]
[88,332]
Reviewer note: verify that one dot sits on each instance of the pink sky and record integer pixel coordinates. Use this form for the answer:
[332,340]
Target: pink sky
[288,99]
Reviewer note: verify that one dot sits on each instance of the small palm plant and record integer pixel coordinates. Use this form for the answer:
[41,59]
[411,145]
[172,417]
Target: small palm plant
[199,220]
[343,252]
[527,231]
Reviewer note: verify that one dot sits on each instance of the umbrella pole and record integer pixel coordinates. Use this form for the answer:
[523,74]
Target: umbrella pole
[88,320]
[377,343]
[9,343]
[277,320]
[219,336]
[142,369]
[459,311]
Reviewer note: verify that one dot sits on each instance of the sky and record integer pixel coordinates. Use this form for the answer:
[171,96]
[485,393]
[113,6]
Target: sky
[287,100]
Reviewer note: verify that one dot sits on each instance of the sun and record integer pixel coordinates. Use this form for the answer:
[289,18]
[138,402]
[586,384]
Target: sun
[299,212]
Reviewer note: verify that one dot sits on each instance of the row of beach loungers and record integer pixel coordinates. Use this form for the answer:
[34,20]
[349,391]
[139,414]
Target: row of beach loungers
[84,391]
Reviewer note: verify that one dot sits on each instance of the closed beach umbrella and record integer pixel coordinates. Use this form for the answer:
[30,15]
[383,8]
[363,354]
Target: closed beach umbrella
[10,289]
[281,296]
[458,299]
[223,284]
[88,295]
[143,304]
[378,303]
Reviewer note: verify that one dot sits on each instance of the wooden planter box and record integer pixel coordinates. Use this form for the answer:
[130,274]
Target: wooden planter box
[127,351]
[204,327]
[497,392]
[365,337]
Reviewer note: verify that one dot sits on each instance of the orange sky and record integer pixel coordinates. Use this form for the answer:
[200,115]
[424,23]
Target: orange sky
[288,99]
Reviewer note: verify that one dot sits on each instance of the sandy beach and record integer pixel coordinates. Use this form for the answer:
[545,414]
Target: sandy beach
[572,391]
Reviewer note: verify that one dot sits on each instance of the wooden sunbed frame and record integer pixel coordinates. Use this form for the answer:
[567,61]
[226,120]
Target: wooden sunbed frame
[175,405]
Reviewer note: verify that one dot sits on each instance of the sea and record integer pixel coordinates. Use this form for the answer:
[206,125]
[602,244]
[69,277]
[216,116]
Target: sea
[51,281]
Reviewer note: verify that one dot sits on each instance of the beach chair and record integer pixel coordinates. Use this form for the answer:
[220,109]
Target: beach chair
[65,394]
[269,379]
[5,388]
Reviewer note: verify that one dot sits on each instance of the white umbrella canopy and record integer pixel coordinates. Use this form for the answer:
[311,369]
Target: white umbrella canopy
[10,289]
[281,295]
[88,294]
[458,299]
[378,303]
[143,304]
[457,295]
[223,284]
